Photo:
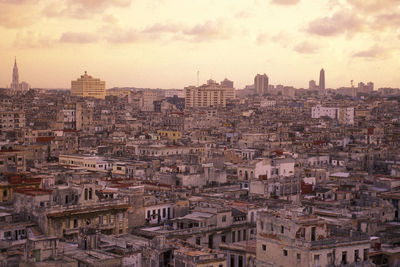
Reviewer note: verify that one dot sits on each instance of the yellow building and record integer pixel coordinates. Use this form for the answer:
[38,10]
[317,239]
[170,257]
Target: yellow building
[87,86]
[171,135]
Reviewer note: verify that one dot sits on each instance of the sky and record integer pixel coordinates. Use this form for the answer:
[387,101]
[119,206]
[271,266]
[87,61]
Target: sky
[164,43]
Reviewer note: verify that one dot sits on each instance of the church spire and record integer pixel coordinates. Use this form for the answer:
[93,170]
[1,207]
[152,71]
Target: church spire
[15,76]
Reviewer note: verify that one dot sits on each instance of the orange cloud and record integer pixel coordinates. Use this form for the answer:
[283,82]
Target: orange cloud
[78,37]
[285,2]
[306,48]
[343,21]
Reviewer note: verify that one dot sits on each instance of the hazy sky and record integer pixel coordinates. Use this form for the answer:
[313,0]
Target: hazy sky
[163,43]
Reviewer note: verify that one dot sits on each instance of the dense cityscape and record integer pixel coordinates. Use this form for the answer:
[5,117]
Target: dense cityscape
[208,175]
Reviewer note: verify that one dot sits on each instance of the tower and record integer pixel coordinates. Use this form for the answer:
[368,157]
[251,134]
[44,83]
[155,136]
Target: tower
[261,84]
[322,80]
[15,77]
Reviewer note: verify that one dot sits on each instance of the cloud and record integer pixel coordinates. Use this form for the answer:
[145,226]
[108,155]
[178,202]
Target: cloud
[124,36]
[18,2]
[386,20]
[32,39]
[285,2]
[99,4]
[82,9]
[13,16]
[343,21]
[78,37]
[306,48]
[373,52]
[262,38]
[374,6]
[244,14]
[209,30]
[163,27]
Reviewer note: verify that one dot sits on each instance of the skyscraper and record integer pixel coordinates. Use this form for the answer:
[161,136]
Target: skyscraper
[322,80]
[87,86]
[261,84]
[15,77]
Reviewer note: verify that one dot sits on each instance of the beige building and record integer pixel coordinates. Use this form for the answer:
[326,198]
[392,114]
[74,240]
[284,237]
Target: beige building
[293,238]
[208,95]
[87,86]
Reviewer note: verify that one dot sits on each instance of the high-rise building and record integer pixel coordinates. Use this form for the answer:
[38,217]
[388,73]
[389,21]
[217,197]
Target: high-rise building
[15,77]
[312,85]
[227,83]
[261,84]
[87,86]
[322,79]
[208,95]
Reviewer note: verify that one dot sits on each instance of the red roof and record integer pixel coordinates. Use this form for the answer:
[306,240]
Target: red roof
[32,191]
[44,139]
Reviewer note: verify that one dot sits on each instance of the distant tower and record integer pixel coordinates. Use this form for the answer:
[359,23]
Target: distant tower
[322,80]
[261,84]
[15,77]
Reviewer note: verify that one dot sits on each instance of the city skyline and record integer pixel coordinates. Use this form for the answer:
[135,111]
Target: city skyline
[125,42]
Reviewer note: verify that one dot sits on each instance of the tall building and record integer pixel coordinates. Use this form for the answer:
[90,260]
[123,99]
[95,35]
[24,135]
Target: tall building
[15,84]
[87,86]
[208,95]
[312,85]
[227,83]
[322,79]
[261,84]
[15,77]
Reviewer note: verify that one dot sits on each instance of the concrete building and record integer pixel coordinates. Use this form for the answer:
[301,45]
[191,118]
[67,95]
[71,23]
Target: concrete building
[208,95]
[343,115]
[261,84]
[87,86]
[295,238]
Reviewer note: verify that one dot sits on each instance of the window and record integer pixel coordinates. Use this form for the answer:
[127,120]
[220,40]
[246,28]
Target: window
[86,194]
[223,239]
[316,260]
[344,257]
[356,255]
[330,258]
[264,247]
[233,236]
[282,229]
[75,223]
[163,212]
[313,230]
[285,252]
[224,218]
[90,193]
[7,234]
[198,240]
[244,234]
[298,257]
[365,254]
[240,261]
